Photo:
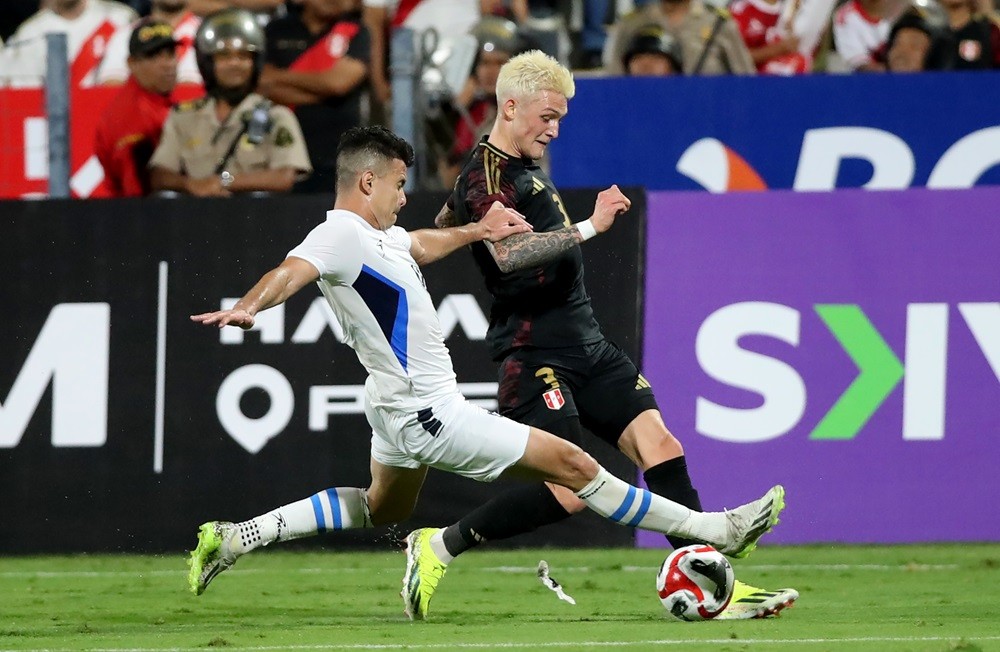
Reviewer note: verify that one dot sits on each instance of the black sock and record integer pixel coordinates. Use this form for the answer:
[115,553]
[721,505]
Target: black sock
[517,511]
[670,479]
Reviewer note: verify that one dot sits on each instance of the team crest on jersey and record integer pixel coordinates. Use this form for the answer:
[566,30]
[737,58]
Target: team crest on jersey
[554,399]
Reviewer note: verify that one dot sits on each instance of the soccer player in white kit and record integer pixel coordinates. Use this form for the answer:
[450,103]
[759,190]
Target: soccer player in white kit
[368,270]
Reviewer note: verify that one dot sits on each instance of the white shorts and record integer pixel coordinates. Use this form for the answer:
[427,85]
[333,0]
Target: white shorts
[453,435]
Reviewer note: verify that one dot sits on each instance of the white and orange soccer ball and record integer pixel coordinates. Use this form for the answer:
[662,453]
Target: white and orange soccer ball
[695,583]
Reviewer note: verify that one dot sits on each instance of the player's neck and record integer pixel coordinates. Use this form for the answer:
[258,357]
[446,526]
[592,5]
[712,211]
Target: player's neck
[499,139]
[360,206]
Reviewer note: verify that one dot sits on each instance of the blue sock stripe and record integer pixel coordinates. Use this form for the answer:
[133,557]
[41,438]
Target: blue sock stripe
[318,511]
[625,506]
[647,498]
[335,509]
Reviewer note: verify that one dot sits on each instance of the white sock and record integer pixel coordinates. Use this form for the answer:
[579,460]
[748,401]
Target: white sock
[624,504]
[339,508]
[437,545]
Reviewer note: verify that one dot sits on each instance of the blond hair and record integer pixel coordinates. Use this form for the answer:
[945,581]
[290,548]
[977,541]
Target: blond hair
[531,72]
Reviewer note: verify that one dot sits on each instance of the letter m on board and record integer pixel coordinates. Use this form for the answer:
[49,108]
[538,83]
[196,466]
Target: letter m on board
[71,354]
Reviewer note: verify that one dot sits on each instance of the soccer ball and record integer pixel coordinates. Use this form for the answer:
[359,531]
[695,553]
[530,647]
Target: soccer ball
[695,583]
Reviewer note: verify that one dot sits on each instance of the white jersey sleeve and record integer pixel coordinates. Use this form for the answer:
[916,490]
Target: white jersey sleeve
[401,235]
[334,248]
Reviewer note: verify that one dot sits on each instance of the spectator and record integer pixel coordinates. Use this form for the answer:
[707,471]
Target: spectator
[653,52]
[382,16]
[974,37]
[477,102]
[860,31]
[772,47]
[915,45]
[88,24]
[115,70]
[318,62]
[232,140]
[710,42]
[130,127]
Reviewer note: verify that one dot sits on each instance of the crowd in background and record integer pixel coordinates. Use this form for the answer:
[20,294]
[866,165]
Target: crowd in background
[275,82]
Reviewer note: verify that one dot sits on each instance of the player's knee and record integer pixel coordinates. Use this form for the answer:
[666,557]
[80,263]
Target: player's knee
[578,465]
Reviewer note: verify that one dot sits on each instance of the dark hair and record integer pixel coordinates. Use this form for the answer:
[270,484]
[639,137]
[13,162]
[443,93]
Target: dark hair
[377,140]
[371,147]
[939,56]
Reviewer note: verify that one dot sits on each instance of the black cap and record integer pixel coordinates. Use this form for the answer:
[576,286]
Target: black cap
[150,36]
[654,39]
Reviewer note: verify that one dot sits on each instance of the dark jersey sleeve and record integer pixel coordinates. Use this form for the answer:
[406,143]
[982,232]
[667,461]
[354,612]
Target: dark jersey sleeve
[487,183]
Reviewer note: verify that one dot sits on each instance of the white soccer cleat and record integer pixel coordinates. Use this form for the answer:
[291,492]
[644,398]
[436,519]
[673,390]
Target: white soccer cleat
[746,524]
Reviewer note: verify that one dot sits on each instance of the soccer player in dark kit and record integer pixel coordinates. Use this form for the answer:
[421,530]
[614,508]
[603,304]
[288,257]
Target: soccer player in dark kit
[557,371]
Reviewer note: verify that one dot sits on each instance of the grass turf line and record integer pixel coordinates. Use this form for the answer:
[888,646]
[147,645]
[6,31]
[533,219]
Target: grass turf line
[935,598]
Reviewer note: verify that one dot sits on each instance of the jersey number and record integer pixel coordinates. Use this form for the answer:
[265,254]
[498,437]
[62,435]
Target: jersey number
[559,205]
[548,377]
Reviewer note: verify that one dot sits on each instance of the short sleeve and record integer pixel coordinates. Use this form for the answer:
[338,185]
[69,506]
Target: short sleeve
[401,235]
[168,153]
[334,248]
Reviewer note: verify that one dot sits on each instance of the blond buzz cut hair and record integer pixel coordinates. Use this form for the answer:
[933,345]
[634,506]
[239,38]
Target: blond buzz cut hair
[531,72]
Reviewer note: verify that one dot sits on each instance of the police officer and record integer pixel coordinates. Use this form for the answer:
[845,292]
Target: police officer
[709,40]
[232,140]
[653,52]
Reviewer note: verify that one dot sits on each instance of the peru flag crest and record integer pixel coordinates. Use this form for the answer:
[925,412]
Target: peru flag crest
[554,399]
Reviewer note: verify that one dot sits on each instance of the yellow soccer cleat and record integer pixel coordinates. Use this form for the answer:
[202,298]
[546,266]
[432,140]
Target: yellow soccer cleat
[212,555]
[750,602]
[423,571]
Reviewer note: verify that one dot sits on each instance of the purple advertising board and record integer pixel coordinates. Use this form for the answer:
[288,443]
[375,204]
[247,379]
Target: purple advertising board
[843,344]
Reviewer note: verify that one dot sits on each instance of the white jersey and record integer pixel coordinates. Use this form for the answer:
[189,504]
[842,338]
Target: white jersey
[377,293]
[114,65]
[448,17]
[858,35]
[22,62]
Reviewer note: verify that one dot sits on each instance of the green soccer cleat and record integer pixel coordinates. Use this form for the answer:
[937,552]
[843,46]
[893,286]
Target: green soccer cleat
[423,571]
[750,602]
[748,523]
[212,556]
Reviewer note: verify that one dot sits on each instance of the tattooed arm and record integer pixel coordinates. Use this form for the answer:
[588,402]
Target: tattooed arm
[446,218]
[525,250]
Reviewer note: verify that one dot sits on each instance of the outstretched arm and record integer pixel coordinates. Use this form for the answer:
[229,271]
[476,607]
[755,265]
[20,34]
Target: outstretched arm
[525,250]
[428,245]
[273,288]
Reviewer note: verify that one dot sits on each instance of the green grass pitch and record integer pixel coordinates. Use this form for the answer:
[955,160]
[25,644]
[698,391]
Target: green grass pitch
[940,598]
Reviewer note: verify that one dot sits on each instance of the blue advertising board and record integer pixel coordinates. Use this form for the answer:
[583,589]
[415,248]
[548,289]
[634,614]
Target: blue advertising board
[804,133]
